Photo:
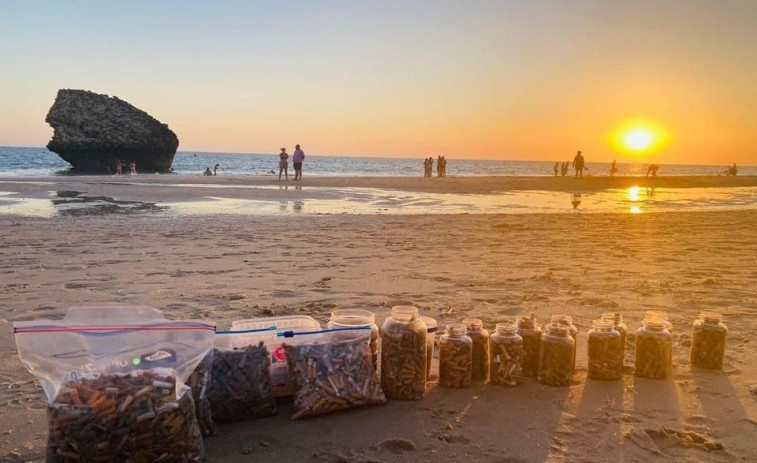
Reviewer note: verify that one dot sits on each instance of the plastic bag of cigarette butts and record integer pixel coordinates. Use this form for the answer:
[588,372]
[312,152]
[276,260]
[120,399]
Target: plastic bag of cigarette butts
[199,380]
[116,387]
[240,381]
[332,370]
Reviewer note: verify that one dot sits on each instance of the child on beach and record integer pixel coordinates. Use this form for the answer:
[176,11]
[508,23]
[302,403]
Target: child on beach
[653,168]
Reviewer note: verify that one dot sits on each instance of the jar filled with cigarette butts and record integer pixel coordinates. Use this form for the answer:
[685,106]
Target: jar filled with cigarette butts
[620,327]
[654,349]
[605,353]
[567,320]
[531,334]
[431,328]
[455,357]
[708,341]
[505,355]
[348,318]
[403,354]
[480,337]
[556,358]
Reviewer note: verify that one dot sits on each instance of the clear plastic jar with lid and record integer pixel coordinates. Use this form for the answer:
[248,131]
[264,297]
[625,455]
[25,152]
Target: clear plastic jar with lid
[403,354]
[557,353]
[567,320]
[480,336]
[347,318]
[505,355]
[605,353]
[531,334]
[431,328]
[708,341]
[620,326]
[455,357]
[654,350]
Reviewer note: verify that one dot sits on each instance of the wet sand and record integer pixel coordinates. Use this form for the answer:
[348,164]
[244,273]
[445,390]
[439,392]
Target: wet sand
[490,266]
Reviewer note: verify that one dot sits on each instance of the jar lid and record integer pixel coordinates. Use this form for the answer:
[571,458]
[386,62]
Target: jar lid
[456,329]
[506,328]
[431,324]
[473,323]
[405,312]
[561,319]
[711,317]
[353,317]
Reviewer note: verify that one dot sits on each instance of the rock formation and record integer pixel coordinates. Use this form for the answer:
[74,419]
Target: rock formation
[92,132]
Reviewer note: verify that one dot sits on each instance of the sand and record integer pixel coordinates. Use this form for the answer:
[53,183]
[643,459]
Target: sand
[490,266]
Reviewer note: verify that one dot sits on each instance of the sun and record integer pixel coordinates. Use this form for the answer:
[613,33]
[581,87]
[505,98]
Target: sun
[638,139]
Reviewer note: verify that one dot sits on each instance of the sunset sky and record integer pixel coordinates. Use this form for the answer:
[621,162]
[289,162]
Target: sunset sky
[507,79]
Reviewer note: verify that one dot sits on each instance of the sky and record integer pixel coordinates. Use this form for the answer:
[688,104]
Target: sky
[505,79]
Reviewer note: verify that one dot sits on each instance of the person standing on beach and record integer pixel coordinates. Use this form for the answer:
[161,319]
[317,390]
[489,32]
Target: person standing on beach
[613,169]
[556,168]
[444,166]
[426,169]
[133,168]
[439,166]
[119,167]
[284,163]
[578,164]
[297,159]
[215,169]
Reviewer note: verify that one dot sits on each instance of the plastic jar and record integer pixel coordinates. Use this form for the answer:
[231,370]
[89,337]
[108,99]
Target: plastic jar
[567,320]
[654,350]
[403,354]
[708,341]
[505,355]
[455,357]
[431,328]
[605,353]
[557,356]
[346,318]
[531,334]
[620,327]
[480,337]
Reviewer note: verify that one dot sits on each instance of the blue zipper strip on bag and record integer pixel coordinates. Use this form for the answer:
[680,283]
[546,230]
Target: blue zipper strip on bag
[291,334]
[257,330]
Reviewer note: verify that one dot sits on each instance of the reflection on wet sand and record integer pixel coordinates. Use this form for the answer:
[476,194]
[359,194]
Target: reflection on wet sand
[319,200]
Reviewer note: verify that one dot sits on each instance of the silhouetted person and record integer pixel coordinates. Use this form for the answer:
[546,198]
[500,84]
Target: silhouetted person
[733,170]
[119,167]
[207,172]
[653,168]
[443,164]
[613,169]
[439,166]
[215,169]
[578,164]
[557,168]
[564,169]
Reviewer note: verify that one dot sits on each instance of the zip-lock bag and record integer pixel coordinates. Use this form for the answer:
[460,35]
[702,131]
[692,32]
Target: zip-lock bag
[116,389]
[332,370]
[240,381]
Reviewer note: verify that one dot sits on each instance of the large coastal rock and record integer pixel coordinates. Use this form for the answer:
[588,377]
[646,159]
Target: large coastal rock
[93,131]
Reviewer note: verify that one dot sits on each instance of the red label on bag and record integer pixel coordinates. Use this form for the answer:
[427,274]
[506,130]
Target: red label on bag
[278,355]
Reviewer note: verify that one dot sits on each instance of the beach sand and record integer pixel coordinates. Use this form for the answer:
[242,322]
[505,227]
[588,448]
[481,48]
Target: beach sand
[489,266]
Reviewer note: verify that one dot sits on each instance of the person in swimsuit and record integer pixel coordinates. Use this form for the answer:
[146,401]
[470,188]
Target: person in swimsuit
[284,163]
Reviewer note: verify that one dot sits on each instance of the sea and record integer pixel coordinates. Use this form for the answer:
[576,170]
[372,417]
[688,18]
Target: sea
[40,162]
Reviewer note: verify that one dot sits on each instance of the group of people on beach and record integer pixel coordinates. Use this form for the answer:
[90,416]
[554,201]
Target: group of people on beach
[297,158]
[120,167]
[441,167]
[578,166]
[208,173]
